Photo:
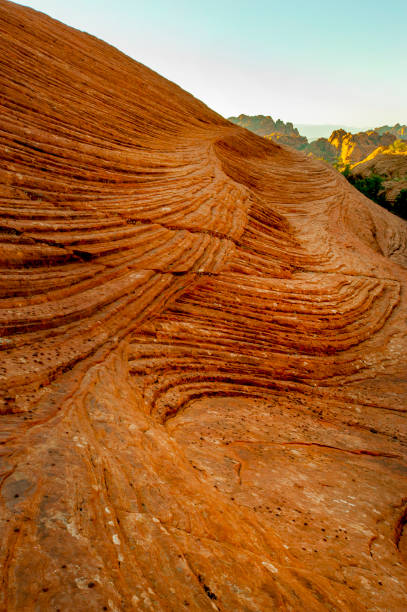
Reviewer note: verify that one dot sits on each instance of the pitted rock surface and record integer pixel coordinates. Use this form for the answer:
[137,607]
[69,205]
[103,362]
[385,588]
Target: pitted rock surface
[203,352]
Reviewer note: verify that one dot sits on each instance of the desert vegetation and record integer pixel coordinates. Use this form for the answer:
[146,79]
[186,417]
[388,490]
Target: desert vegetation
[372,187]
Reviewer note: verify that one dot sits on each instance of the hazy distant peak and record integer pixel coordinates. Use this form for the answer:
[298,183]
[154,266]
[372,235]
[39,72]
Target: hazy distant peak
[264,125]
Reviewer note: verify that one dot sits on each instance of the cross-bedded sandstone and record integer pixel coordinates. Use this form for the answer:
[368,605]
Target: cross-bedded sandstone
[203,340]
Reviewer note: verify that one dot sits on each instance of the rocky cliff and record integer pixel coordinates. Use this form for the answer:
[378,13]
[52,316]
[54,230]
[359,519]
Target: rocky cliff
[390,163]
[399,131]
[264,125]
[291,140]
[352,148]
[347,148]
[342,146]
[203,338]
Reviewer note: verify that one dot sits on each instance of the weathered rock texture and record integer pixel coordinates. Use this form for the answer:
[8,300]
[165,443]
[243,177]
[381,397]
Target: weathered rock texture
[203,344]
[264,125]
[388,163]
[290,140]
[352,148]
[400,131]
[347,148]
[341,147]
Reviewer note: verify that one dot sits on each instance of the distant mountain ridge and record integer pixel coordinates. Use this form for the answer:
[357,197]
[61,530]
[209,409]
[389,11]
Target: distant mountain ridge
[380,153]
[342,146]
[315,131]
[400,131]
[265,126]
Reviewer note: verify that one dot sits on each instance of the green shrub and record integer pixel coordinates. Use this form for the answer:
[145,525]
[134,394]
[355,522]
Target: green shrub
[346,172]
[372,187]
[400,204]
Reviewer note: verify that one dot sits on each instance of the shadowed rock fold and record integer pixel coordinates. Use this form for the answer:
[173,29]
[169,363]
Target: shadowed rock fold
[203,352]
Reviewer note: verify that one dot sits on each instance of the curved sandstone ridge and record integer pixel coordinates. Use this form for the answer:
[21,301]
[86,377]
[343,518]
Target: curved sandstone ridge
[203,340]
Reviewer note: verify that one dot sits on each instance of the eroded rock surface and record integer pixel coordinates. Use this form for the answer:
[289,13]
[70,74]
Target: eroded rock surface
[203,337]
[352,148]
[389,164]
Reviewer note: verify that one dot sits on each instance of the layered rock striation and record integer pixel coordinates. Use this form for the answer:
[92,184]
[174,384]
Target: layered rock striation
[203,352]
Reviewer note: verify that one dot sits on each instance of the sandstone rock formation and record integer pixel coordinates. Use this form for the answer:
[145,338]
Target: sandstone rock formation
[264,125]
[400,131]
[347,148]
[388,163]
[323,149]
[341,146]
[203,337]
[352,148]
[291,140]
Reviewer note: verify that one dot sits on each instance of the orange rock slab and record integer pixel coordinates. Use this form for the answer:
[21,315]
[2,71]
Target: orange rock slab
[203,352]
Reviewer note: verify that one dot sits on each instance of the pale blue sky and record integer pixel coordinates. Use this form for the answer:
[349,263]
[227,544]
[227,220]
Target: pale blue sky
[306,61]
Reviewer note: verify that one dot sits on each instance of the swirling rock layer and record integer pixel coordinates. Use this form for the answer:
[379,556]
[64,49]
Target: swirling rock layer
[203,340]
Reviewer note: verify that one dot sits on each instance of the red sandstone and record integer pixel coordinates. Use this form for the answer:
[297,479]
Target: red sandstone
[203,336]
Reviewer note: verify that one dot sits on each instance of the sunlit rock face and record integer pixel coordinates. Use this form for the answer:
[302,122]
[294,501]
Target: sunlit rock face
[390,164]
[203,338]
[352,148]
[347,148]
